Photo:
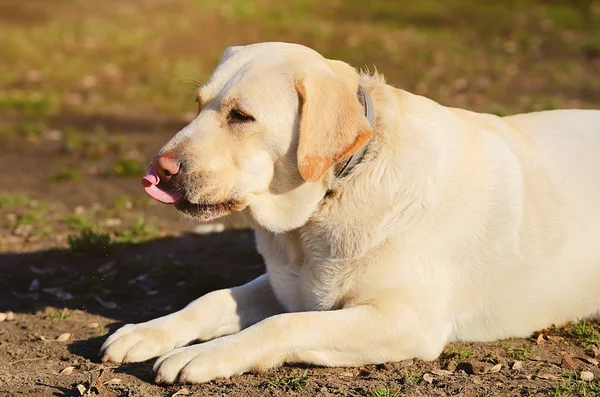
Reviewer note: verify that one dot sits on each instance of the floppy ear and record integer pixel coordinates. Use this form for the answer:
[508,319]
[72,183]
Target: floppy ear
[332,124]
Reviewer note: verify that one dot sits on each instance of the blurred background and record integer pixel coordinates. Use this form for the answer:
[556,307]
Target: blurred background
[90,90]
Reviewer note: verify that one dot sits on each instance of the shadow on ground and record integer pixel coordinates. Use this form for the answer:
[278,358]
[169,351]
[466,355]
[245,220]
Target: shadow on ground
[127,282]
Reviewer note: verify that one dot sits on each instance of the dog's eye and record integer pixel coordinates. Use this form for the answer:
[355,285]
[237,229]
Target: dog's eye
[237,116]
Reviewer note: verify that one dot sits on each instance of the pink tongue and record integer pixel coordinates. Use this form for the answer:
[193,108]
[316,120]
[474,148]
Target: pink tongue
[150,182]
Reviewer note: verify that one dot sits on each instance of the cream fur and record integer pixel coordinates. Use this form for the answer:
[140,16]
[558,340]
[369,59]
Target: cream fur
[455,226]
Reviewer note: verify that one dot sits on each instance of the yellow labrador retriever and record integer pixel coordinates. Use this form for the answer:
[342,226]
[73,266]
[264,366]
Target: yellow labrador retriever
[390,225]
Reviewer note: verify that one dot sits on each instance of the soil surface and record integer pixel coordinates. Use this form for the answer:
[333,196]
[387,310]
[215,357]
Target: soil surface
[89,93]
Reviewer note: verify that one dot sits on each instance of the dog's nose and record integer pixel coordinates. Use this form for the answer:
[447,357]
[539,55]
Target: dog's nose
[166,165]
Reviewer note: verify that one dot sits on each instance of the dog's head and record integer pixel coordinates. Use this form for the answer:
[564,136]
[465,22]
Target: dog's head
[273,120]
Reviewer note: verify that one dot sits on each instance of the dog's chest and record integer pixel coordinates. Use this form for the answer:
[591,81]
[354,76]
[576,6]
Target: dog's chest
[301,280]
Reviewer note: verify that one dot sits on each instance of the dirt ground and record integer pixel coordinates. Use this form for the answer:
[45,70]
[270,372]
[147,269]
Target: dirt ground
[89,92]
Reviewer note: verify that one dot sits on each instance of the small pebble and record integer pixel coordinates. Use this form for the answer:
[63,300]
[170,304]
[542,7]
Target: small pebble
[586,376]
[517,365]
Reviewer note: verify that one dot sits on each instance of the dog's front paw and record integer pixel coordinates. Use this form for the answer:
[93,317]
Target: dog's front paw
[139,342]
[198,363]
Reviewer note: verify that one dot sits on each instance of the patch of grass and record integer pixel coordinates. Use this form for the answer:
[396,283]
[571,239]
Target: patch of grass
[523,353]
[27,102]
[124,202]
[94,146]
[465,353]
[139,231]
[34,217]
[9,201]
[289,383]
[61,315]
[571,386]
[102,334]
[383,391]
[413,378]
[29,130]
[586,331]
[89,242]
[126,167]
[68,174]
[79,222]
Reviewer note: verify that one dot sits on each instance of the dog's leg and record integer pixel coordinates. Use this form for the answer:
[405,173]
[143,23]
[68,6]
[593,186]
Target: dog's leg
[213,315]
[347,337]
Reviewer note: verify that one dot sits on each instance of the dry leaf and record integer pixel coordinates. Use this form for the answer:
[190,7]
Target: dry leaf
[10,316]
[63,337]
[37,270]
[3,317]
[113,381]
[568,361]
[81,389]
[42,337]
[67,371]
[58,293]
[106,267]
[363,372]
[517,365]
[35,285]
[540,339]
[93,325]
[589,360]
[183,392]
[107,304]
[441,372]
[547,376]
[496,368]
[428,378]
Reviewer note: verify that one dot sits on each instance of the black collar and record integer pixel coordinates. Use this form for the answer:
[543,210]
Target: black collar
[367,102]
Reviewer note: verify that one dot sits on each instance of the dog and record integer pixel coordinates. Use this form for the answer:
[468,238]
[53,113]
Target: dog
[390,225]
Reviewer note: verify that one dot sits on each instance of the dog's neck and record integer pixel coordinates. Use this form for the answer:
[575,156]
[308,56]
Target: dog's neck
[346,167]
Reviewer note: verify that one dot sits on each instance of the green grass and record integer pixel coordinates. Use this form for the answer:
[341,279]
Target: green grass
[465,353]
[79,222]
[89,242]
[141,230]
[522,354]
[26,102]
[412,377]
[384,391]
[570,386]
[67,174]
[102,334]
[30,130]
[10,201]
[124,202]
[586,332]
[62,315]
[95,145]
[161,56]
[289,383]
[126,167]
[36,217]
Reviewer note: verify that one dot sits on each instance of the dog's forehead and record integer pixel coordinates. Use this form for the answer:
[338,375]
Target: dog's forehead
[258,59]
